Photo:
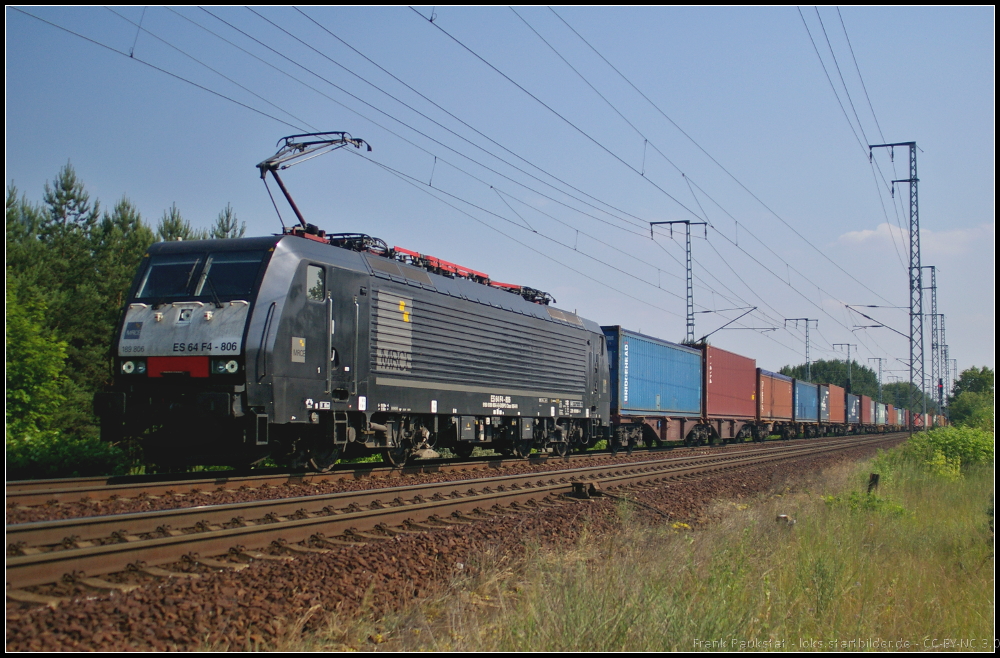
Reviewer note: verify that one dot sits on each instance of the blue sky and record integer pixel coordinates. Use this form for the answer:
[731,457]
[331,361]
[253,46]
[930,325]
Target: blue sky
[511,163]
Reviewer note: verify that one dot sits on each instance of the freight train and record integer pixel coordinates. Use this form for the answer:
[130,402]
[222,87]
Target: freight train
[308,347]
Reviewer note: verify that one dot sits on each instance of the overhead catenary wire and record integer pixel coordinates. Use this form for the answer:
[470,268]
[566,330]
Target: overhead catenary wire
[645,141]
[560,116]
[295,127]
[864,87]
[139,28]
[466,172]
[369,104]
[157,68]
[427,190]
[365,102]
[639,221]
[464,123]
[715,161]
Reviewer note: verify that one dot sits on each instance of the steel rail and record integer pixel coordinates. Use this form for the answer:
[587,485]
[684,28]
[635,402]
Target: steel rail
[45,567]
[91,528]
[62,490]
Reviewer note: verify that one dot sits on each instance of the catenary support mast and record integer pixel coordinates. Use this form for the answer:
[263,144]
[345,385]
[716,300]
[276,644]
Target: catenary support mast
[917,379]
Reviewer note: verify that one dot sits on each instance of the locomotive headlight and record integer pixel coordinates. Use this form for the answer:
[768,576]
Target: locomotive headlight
[134,367]
[225,366]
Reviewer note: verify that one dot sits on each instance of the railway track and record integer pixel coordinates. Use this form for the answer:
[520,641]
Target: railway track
[28,493]
[43,552]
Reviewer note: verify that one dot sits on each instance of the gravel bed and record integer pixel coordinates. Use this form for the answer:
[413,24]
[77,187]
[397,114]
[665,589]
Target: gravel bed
[269,601]
[53,512]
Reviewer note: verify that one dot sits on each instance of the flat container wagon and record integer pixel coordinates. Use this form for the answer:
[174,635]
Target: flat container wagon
[656,389]
[774,397]
[837,405]
[806,402]
[730,397]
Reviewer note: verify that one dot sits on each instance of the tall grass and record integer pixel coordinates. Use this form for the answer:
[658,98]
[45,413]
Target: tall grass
[909,566]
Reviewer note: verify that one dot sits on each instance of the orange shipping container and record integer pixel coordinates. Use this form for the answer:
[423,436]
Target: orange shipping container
[730,384]
[774,395]
[838,404]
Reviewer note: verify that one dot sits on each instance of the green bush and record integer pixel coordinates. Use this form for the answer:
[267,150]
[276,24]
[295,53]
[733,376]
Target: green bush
[46,454]
[965,446]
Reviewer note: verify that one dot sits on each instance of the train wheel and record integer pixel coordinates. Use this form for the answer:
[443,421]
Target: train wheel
[523,448]
[324,460]
[464,449]
[396,456]
[560,448]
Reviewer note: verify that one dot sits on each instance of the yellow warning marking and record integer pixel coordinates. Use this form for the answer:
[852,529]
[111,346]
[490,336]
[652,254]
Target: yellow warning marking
[406,317]
[402,305]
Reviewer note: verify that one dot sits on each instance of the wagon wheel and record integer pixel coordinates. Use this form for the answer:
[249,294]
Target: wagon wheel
[560,448]
[631,445]
[523,447]
[396,456]
[323,459]
[463,449]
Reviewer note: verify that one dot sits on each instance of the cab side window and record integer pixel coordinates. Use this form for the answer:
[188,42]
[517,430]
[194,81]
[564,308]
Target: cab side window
[315,283]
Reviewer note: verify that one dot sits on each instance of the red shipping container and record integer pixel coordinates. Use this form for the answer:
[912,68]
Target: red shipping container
[892,415]
[730,384]
[866,410]
[838,404]
[774,396]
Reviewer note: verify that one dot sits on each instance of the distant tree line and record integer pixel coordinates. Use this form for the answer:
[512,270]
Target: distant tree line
[862,381]
[69,267]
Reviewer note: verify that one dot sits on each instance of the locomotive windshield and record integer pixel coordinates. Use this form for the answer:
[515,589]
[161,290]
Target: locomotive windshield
[229,274]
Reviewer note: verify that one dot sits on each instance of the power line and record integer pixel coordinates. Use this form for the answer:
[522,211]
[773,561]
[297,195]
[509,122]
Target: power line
[716,162]
[560,116]
[480,180]
[157,68]
[412,181]
[639,221]
[464,123]
[139,28]
[491,66]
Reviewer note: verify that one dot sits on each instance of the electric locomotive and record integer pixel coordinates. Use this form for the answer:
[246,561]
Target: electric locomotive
[308,347]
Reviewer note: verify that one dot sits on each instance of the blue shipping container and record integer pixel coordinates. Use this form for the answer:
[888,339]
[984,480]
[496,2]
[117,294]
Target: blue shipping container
[853,408]
[806,401]
[653,376]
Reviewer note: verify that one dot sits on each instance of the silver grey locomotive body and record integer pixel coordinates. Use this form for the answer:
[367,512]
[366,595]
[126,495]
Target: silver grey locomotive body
[232,350]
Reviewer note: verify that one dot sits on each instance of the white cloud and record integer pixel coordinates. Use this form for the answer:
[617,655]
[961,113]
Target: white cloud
[956,242]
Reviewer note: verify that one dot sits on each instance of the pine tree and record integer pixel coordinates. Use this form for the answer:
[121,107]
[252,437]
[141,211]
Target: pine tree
[227,226]
[174,227]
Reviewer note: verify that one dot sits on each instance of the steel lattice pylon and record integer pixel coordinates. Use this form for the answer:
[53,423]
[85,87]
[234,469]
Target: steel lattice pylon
[917,377]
